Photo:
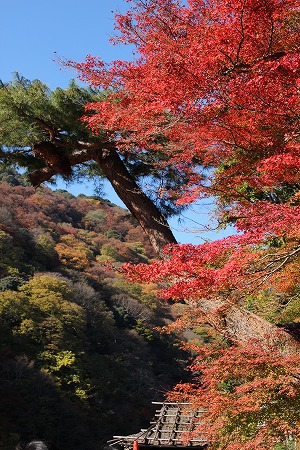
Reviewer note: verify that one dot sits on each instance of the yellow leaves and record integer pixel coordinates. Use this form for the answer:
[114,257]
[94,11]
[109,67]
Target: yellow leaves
[41,319]
[27,327]
[3,236]
[108,253]
[277,298]
[39,200]
[48,282]
[73,252]
[41,310]
[81,393]
[11,255]
[64,367]
[65,358]
[13,307]
[46,242]
[47,293]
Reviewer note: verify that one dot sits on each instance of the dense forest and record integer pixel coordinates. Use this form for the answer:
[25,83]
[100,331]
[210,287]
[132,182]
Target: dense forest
[208,108]
[80,357]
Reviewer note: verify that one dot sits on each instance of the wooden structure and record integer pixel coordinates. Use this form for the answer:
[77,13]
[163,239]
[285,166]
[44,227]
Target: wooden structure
[172,426]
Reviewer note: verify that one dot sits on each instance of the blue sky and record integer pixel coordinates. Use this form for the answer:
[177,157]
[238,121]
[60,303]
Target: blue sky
[33,31]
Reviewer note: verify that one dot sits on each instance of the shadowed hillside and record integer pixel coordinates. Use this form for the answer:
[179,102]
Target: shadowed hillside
[80,356]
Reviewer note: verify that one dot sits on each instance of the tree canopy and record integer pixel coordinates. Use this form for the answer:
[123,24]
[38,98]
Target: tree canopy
[42,131]
[75,338]
[218,82]
[213,94]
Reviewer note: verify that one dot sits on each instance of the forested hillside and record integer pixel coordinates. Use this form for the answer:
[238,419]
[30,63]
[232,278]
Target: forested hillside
[80,356]
[208,108]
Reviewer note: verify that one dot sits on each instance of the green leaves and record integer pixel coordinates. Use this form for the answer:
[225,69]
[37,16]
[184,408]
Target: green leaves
[42,320]
[31,113]
[21,103]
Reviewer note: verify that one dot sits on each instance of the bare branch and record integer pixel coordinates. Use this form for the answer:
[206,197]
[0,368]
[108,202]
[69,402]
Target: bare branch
[274,265]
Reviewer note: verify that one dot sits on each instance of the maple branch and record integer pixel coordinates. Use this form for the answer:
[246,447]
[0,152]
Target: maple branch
[242,33]
[272,27]
[282,259]
[137,34]
[227,56]
[271,37]
[228,127]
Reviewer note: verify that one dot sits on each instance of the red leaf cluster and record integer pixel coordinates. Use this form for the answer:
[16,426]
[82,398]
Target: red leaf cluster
[215,88]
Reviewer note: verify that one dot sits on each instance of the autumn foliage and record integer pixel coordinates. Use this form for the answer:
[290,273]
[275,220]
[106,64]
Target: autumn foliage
[245,408]
[75,339]
[214,86]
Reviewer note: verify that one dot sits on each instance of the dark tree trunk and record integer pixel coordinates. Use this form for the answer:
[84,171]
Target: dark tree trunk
[141,207]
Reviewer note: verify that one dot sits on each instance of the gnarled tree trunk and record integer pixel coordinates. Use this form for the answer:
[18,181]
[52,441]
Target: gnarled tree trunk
[142,208]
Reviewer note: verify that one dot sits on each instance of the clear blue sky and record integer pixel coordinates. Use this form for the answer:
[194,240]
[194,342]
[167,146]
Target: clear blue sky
[33,30]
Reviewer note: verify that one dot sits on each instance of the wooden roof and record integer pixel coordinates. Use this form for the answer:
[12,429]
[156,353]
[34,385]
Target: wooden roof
[171,427]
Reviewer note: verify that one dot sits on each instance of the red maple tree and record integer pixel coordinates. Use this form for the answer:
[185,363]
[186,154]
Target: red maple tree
[214,87]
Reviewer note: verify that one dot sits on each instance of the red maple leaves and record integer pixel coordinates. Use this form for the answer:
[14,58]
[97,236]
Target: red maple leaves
[215,87]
